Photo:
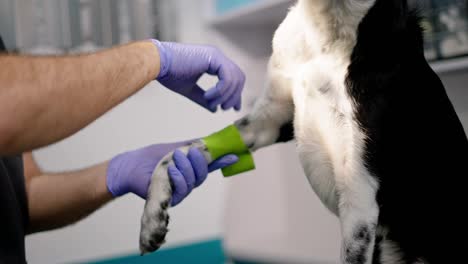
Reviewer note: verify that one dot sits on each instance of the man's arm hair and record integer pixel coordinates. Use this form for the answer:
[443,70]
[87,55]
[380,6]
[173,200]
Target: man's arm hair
[57,200]
[45,99]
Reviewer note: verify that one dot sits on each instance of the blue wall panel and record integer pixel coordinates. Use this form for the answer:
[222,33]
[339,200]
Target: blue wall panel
[223,6]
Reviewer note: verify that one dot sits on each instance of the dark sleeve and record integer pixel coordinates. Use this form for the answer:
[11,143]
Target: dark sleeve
[2,45]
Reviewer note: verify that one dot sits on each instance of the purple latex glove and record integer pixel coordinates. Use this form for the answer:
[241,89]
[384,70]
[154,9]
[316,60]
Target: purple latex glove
[189,172]
[131,172]
[182,65]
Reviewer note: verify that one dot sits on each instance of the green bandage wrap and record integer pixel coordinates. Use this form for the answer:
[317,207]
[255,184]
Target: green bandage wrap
[229,141]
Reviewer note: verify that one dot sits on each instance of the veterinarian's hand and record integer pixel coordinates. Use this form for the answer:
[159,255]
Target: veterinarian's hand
[131,172]
[190,171]
[182,65]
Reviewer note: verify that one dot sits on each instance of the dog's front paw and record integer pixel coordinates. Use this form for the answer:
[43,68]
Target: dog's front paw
[155,217]
[154,228]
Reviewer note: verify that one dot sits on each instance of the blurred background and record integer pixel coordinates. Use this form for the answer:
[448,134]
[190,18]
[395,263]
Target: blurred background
[446,28]
[67,26]
[270,215]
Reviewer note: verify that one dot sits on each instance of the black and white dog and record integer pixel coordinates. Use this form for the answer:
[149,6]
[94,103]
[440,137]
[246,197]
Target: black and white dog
[378,138]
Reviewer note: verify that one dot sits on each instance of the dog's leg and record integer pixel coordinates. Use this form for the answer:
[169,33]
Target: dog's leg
[155,217]
[330,152]
[269,122]
[358,212]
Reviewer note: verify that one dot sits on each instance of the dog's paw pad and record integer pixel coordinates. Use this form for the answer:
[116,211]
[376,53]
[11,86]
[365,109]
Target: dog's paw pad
[154,241]
[153,234]
[154,230]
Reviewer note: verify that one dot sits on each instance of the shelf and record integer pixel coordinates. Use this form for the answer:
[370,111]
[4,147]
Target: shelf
[450,65]
[262,13]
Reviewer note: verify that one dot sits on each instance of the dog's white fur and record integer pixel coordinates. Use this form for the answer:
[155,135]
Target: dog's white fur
[307,71]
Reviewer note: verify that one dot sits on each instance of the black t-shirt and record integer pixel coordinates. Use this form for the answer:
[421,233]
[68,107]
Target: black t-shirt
[13,207]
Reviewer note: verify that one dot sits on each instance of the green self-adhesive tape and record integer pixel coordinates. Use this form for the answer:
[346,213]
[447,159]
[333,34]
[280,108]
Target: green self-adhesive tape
[229,141]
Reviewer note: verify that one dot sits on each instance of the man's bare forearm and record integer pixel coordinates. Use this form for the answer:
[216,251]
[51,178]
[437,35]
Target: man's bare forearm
[45,99]
[57,200]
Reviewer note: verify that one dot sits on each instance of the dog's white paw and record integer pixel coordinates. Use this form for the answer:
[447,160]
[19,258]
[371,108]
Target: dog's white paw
[155,217]
[154,229]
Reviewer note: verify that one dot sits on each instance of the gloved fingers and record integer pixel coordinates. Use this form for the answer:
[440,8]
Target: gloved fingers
[184,165]
[218,60]
[199,164]
[203,59]
[238,105]
[223,162]
[230,98]
[233,86]
[227,77]
[221,99]
[239,86]
[217,90]
[179,185]
[197,95]
[231,79]
[233,100]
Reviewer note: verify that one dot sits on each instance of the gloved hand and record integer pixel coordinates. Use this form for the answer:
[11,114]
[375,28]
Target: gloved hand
[182,65]
[131,172]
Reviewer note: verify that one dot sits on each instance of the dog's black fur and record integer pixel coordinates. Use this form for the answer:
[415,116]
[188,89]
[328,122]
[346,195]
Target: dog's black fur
[416,145]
